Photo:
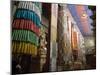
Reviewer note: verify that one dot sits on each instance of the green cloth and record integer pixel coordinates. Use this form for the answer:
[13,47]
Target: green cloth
[26,36]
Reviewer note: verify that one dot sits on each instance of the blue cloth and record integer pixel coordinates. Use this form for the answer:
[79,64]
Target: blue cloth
[27,14]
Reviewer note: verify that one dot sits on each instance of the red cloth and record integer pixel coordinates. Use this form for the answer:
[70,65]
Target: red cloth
[25,24]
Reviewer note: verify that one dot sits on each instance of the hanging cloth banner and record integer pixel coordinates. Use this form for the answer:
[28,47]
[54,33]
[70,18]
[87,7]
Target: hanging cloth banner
[25,25]
[25,48]
[25,35]
[29,15]
[31,6]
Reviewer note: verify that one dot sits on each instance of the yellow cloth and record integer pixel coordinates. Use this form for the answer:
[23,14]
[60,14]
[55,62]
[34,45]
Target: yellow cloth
[25,48]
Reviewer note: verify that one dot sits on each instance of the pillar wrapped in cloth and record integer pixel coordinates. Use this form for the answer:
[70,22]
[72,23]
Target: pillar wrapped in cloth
[25,35]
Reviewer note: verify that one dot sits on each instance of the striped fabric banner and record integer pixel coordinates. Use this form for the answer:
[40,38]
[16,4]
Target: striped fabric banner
[29,15]
[26,28]
[25,35]
[25,25]
[22,47]
[31,6]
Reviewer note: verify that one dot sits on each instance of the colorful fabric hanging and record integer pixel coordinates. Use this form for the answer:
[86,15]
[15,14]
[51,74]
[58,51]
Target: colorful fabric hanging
[31,6]
[29,15]
[26,25]
[26,28]
[22,47]
[25,35]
